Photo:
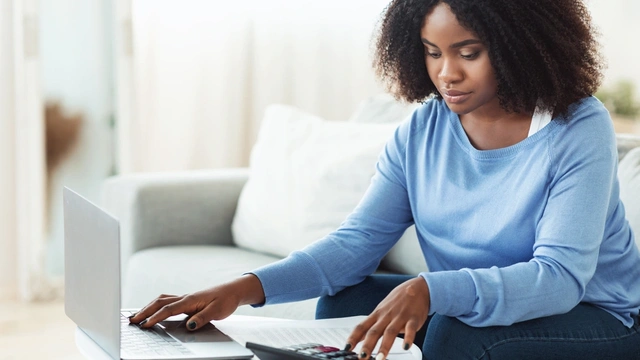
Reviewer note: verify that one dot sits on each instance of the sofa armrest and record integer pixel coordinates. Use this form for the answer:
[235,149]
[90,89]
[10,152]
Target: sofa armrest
[626,143]
[181,208]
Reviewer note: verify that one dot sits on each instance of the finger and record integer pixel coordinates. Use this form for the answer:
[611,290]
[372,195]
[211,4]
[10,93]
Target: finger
[215,310]
[358,333]
[371,338]
[388,337]
[410,330]
[184,305]
[152,307]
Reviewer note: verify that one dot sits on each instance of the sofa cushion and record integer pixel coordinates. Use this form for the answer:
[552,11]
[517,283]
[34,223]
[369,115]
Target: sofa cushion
[406,256]
[626,142]
[162,270]
[306,175]
[382,108]
[629,176]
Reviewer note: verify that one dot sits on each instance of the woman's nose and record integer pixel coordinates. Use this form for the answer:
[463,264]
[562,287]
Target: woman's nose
[450,72]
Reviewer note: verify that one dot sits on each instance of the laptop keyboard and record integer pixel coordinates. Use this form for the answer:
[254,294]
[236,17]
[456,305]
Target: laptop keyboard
[135,341]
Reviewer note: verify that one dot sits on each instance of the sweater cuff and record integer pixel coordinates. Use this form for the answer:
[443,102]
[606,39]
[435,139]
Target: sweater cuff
[293,278]
[453,293]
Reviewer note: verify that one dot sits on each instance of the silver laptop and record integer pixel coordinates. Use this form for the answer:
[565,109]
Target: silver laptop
[92,296]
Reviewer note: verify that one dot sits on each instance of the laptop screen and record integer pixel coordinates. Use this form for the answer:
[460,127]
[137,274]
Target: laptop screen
[92,271]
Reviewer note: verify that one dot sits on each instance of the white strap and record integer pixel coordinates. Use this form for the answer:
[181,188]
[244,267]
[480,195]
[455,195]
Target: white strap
[539,120]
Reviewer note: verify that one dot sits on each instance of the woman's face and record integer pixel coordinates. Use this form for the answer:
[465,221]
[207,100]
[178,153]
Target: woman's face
[458,64]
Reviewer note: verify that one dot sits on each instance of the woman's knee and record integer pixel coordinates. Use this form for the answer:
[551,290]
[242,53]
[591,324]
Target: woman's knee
[359,299]
[449,338]
[329,307]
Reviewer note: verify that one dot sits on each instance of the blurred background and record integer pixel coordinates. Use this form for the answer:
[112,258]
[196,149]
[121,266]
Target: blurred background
[95,88]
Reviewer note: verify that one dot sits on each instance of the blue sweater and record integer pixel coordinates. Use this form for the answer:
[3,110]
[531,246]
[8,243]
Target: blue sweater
[510,234]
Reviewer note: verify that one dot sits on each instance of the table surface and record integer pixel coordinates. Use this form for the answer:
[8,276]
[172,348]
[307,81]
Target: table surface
[89,349]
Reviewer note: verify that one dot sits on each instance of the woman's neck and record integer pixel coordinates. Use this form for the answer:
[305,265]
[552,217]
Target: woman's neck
[488,133]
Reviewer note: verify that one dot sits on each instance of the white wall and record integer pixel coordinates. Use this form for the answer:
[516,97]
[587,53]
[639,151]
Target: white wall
[75,45]
[619,24]
[8,250]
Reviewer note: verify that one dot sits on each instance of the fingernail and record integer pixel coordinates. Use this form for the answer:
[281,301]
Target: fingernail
[347,347]
[191,325]
[363,355]
[380,356]
[132,315]
[406,346]
[143,322]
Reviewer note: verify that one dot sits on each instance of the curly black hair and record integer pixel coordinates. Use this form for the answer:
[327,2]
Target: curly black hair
[540,50]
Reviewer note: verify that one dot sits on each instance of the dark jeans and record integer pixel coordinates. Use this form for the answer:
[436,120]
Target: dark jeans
[586,332]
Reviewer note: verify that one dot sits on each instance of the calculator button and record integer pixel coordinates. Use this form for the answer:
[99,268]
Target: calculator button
[309,351]
[327,349]
[344,353]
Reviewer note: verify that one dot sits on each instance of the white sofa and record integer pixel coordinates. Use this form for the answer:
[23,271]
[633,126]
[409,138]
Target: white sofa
[182,232]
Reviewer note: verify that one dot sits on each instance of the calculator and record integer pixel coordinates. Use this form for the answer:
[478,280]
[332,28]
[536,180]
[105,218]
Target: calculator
[301,352]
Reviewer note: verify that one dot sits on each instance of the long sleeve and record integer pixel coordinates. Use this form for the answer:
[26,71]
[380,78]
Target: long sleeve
[346,256]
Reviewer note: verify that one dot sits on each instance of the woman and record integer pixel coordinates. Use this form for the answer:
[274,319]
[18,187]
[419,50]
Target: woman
[509,175]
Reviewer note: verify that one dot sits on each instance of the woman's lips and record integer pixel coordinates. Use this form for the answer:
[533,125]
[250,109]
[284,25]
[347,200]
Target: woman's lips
[454,96]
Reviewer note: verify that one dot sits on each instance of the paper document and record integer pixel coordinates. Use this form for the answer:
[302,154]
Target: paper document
[281,333]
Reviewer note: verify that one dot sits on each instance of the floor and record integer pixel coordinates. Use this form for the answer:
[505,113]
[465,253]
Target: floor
[36,331]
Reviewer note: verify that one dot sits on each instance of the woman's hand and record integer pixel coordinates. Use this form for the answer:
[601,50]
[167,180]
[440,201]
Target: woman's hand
[203,306]
[403,311]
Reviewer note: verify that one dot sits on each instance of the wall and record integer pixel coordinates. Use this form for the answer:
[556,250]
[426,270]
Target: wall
[75,44]
[618,22]
[8,250]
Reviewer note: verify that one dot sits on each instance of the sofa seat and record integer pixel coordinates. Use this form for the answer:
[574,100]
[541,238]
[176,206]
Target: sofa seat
[168,268]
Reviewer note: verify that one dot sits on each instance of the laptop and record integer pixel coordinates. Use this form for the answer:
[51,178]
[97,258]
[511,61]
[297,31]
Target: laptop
[92,296]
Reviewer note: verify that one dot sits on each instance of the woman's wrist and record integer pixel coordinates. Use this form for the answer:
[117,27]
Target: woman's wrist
[250,291]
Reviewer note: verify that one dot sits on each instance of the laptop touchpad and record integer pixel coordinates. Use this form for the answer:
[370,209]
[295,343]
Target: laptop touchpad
[207,333]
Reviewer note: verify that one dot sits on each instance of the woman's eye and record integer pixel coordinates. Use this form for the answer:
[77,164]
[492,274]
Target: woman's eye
[434,55]
[469,56]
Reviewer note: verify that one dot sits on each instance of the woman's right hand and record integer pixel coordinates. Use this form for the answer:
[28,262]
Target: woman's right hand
[203,306]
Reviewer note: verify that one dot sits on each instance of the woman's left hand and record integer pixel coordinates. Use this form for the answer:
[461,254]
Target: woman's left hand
[403,311]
